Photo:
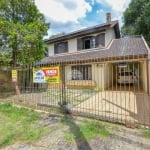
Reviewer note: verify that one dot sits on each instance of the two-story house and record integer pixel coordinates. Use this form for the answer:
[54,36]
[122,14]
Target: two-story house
[92,57]
[86,39]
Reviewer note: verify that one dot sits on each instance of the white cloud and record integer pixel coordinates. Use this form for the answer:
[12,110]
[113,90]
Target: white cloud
[65,15]
[117,7]
[63,10]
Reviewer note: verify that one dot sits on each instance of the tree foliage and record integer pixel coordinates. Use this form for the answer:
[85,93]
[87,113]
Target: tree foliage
[21,33]
[137,19]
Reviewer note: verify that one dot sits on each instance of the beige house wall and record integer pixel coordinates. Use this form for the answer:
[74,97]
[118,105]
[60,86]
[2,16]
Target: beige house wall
[108,75]
[98,75]
[102,75]
[143,75]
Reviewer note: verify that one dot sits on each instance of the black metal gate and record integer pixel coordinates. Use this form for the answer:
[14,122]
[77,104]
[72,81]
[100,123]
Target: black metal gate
[116,91]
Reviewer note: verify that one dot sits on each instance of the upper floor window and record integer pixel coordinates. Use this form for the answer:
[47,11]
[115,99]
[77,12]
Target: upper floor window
[61,47]
[90,42]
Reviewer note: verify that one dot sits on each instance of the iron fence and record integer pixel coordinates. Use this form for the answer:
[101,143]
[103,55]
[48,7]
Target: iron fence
[114,90]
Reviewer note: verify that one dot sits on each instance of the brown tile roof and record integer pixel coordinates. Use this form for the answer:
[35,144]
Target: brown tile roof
[86,31]
[123,48]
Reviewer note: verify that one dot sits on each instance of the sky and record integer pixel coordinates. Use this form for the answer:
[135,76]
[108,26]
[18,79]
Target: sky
[71,15]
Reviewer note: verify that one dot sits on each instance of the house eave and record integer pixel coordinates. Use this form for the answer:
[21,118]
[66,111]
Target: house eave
[98,60]
[87,31]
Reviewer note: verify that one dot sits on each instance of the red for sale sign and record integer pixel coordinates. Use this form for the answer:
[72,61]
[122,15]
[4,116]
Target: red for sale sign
[46,74]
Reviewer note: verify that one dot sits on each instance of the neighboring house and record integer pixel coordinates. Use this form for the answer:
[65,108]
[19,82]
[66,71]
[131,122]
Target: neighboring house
[92,56]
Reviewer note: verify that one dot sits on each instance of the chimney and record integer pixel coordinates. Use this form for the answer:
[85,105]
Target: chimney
[108,17]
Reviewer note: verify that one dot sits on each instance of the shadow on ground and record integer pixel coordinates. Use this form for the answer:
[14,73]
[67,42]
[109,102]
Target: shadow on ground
[81,141]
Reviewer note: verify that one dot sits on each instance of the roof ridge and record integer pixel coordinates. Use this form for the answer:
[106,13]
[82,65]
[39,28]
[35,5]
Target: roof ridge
[112,23]
[131,36]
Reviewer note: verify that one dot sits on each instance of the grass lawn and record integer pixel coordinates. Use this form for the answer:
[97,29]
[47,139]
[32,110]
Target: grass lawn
[86,129]
[146,132]
[18,124]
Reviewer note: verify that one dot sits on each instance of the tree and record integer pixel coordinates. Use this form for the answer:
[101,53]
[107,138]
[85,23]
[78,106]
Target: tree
[21,33]
[137,19]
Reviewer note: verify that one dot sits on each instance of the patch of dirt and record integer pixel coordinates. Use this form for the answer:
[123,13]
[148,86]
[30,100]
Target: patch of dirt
[121,138]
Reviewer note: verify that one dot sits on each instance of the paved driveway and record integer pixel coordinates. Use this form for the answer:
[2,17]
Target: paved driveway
[118,106]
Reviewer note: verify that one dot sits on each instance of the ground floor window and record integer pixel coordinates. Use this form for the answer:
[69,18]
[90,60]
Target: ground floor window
[81,72]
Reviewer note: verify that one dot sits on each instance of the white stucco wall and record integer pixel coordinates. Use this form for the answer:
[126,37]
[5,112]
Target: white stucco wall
[51,49]
[72,45]
[109,35]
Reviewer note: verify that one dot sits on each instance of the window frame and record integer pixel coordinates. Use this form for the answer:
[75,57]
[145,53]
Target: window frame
[82,72]
[92,40]
[97,41]
[57,45]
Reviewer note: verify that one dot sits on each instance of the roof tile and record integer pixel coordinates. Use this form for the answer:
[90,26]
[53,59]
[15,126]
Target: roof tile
[123,47]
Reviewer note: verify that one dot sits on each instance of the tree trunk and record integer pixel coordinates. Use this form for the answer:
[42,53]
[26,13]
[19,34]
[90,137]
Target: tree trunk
[14,63]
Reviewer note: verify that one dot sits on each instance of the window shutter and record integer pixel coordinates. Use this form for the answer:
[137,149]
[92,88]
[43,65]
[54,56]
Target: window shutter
[100,40]
[61,47]
[66,47]
[55,48]
[97,40]
[79,44]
